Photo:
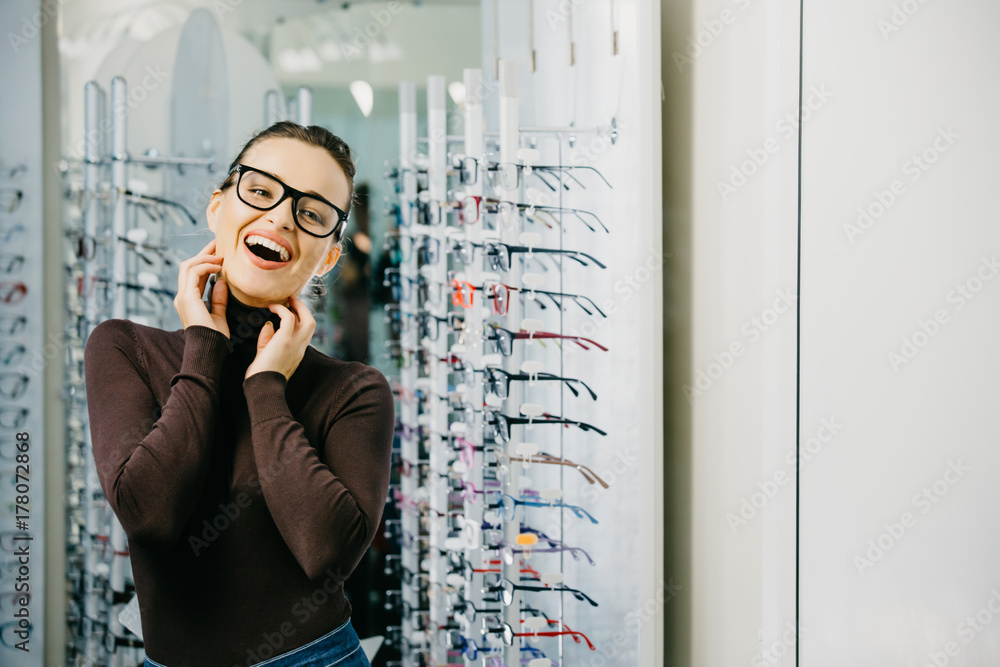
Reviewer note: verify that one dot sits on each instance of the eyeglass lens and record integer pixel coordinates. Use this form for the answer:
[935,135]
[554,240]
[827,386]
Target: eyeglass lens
[263,192]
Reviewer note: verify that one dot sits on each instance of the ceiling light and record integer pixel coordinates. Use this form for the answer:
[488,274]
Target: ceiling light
[363,95]
[456,89]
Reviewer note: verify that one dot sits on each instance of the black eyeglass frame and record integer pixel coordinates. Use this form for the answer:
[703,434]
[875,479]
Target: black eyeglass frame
[288,191]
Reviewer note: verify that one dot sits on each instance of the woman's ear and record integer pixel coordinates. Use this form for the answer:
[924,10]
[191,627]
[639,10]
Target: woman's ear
[329,260]
[212,210]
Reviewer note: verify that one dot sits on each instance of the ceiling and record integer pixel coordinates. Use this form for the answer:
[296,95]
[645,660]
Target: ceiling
[309,42]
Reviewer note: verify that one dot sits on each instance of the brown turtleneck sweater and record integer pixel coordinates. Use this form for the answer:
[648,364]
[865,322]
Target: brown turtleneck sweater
[246,503]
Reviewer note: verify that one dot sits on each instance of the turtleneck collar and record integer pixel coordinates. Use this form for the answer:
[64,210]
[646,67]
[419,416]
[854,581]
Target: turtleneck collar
[245,323]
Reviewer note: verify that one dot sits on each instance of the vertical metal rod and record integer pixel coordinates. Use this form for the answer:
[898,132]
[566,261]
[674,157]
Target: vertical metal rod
[508,154]
[569,26]
[271,107]
[407,306]
[472,108]
[304,104]
[531,33]
[496,39]
[436,153]
[92,98]
[119,182]
[91,174]
[614,30]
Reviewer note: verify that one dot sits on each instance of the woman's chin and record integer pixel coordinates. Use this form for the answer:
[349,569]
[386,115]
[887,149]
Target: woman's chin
[259,293]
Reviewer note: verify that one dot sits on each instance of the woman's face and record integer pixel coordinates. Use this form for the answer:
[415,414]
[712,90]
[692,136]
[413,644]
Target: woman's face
[301,166]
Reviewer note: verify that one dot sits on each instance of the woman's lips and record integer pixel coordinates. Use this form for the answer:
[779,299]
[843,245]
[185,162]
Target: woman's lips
[267,265]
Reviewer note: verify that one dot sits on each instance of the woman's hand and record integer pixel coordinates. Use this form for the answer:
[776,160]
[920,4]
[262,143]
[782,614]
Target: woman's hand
[282,350]
[191,279]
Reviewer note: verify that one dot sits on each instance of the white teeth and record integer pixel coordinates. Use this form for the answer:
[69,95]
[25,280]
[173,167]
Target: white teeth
[268,243]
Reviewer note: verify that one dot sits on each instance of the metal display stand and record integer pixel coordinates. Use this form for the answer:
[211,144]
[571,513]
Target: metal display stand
[474,567]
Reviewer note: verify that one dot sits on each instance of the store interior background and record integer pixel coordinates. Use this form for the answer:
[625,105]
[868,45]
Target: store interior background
[291,44]
[794,562]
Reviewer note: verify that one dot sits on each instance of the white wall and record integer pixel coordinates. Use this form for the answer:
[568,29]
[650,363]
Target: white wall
[730,79]
[872,436]
[889,575]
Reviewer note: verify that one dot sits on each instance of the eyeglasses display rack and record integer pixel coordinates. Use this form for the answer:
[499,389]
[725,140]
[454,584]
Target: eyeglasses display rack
[109,264]
[24,350]
[486,252]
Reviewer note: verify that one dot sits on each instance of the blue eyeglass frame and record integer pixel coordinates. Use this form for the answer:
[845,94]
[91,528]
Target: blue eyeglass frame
[288,191]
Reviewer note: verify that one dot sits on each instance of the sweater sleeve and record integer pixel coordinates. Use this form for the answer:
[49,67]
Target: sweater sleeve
[152,462]
[327,510]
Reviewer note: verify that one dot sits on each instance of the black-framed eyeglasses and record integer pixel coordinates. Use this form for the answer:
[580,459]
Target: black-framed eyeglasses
[312,213]
[429,325]
[468,611]
[508,174]
[498,381]
[497,425]
[498,255]
[506,589]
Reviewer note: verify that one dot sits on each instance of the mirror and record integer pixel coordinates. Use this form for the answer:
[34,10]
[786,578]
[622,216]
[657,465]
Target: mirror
[201,78]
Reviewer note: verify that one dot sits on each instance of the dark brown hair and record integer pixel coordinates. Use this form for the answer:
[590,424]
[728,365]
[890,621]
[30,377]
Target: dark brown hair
[313,135]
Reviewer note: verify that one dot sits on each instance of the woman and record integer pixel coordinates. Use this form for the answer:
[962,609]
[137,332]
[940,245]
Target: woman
[248,469]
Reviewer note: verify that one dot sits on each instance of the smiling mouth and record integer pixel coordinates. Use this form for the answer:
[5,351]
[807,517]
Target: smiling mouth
[266,249]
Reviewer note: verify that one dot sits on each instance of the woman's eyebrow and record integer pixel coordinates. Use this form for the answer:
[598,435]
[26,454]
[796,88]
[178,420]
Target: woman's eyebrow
[308,192]
[285,181]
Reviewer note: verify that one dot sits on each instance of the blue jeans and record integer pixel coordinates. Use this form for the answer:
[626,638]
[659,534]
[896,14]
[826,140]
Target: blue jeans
[337,648]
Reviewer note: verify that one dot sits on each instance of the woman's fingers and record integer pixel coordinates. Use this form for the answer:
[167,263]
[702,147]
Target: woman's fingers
[302,312]
[297,319]
[289,321]
[205,254]
[192,276]
[219,296]
[199,273]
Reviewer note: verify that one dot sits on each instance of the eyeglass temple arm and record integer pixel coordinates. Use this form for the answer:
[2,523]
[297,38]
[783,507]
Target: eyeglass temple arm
[540,335]
[578,214]
[576,300]
[587,473]
[569,383]
[573,254]
[556,251]
[536,173]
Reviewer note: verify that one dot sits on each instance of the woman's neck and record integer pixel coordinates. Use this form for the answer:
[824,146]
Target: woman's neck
[246,321]
[252,301]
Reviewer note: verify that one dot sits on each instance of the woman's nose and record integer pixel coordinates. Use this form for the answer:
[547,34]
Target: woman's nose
[282,215]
